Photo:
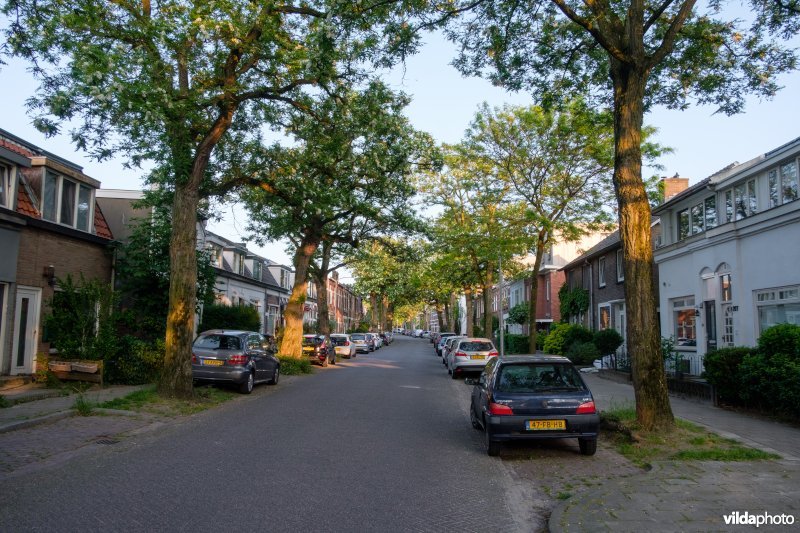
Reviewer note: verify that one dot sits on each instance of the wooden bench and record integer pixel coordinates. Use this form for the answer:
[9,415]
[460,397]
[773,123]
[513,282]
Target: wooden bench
[92,377]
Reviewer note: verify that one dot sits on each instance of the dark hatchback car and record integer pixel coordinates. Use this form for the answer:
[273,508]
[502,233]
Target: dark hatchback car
[319,349]
[243,358]
[532,397]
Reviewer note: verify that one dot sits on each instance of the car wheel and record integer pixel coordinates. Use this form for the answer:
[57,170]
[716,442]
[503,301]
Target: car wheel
[247,386]
[324,362]
[588,446]
[492,447]
[473,418]
[454,374]
[275,376]
[333,360]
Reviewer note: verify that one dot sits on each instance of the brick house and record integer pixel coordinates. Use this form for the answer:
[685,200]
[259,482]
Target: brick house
[50,227]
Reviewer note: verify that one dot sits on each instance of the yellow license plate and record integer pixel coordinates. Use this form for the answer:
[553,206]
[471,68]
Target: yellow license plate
[477,357]
[537,425]
[308,348]
[213,362]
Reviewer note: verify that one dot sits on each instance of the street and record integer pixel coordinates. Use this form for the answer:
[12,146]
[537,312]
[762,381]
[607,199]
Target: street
[379,443]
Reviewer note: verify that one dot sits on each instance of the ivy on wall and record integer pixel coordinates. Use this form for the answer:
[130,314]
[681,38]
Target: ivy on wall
[574,301]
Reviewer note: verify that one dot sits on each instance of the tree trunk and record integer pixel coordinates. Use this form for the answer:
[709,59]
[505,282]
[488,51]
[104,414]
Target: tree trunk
[653,411]
[321,279]
[292,342]
[541,242]
[470,311]
[384,312]
[446,316]
[488,280]
[176,376]
[440,317]
[373,311]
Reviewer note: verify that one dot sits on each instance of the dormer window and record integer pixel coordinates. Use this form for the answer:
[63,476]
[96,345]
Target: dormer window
[6,187]
[257,270]
[67,202]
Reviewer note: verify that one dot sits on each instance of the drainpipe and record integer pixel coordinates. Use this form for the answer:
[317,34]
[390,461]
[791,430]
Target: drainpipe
[591,296]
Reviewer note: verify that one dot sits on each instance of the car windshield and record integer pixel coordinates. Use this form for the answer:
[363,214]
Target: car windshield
[338,341]
[476,346]
[218,342]
[533,377]
[358,337]
[312,341]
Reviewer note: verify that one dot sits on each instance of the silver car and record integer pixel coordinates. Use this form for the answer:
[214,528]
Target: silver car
[447,346]
[362,342]
[469,355]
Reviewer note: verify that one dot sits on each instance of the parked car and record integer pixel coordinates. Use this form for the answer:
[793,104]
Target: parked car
[448,345]
[242,358]
[440,343]
[376,339]
[386,338]
[469,354]
[533,397]
[319,349]
[343,345]
[362,342]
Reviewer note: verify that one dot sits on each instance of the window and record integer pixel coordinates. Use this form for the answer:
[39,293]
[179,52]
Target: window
[683,224]
[257,270]
[728,206]
[786,190]
[726,294]
[744,200]
[778,306]
[67,202]
[547,288]
[605,317]
[699,218]
[6,187]
[620,267]
[684,319]
[601,272]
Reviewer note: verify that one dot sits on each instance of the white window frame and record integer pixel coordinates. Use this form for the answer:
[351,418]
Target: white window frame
[547,288]
[776,297]
[683,304]
[7,185]
[59,184]
[600,307]
[601,272]
[620,266]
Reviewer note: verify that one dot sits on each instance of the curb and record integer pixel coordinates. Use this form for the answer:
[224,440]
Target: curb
[30,422]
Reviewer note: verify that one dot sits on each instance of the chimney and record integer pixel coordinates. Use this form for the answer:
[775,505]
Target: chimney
[674,186]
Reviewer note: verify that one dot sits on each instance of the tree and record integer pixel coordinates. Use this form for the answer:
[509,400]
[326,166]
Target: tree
[631,55]
[170,82]
[143,272]
[558,163]
[344,181]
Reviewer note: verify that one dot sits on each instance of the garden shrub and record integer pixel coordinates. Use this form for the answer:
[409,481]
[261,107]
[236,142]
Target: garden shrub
[230,317]
[562,336]
[607,341]
[723,372]
[582,353]
[771,383]
[780,339]
[516,344]
[136,362]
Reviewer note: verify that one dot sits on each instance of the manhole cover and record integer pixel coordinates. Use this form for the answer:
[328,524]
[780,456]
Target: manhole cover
[107,441]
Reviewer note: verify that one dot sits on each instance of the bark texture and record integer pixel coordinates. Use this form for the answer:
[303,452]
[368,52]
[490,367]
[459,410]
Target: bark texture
[292,342]
[534,296]
[653,410]
[470,312]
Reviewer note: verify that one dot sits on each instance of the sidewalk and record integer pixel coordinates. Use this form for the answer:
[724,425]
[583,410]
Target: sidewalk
[692,495]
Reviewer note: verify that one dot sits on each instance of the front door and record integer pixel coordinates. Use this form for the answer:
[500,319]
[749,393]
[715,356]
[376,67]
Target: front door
[621,326]
[711,325]
[26,330]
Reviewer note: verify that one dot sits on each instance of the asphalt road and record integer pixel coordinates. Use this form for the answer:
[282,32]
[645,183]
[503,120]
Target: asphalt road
[379,443]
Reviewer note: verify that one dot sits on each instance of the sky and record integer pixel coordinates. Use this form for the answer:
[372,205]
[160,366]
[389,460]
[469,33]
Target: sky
[444,103]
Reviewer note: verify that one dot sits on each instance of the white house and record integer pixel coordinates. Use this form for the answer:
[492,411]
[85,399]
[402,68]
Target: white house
[729,257]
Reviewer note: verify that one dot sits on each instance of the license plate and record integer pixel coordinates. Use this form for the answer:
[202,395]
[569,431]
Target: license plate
[213,362]
[537,425]
[477,357]
[308,348]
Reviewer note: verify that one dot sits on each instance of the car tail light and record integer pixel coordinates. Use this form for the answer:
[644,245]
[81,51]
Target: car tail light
[194,359]
[460,354]
[586,408]
[499,409]
[493,353]
[347,343]
[237,360]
